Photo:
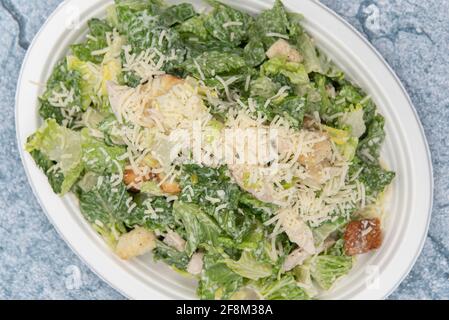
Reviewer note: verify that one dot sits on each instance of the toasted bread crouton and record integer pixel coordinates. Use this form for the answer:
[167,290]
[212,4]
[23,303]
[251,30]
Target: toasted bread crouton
[362,236]
[135,243]
[169,187]
[132,181]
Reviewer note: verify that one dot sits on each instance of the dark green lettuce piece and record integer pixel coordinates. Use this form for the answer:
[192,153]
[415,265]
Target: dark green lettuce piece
[55,178]
[104,205]
[161,219]
[371,143]
[217,280]
[171,256]
[214,63]
[200,184]
[98,29]
[216,24]
[193,29]
[127,11]
[291,108]
[177,14]
[254,53]
[373,176]
[99,157]
[274,20]
[61,80]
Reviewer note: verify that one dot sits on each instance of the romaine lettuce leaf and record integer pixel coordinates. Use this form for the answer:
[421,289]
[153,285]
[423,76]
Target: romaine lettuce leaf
[170,256]
[217,195]
[314,59]
[213,63]
[254,53]
[373,176]
[294,71]
[177,14]
[283,288]
[193,29]
[66,83]
[220,23]
[371,143]
[249,267]
[321,233]
[345,143]
[94,79]
[291,108]
[327,269]
[99,157]
[200,228]
[264,87]
[84,51]
[55,177]
[62,146]
[272,21]
[104,206]
[217,280]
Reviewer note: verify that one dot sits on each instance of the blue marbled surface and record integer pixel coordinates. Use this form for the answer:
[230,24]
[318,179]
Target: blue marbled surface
[413,36]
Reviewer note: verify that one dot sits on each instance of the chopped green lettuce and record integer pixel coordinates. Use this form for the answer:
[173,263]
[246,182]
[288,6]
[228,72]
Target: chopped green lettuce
[270,22]
[283,288]
[373,176]
[87,51]
[177,14]
[193,29]
[55,177]
[345,143]
[212,63]
[200,228]
[264,87]
[67,84]
[370,145]
[217,280]
[227,24]
[327,269]
[61,145]
[171,256]
[249,267]
[105,207]
[294,71]
[217,195]
[99,157]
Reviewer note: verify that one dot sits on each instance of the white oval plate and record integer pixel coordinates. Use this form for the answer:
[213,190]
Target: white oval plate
[375,275]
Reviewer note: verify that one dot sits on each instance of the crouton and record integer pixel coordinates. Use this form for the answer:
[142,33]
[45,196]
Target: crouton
[135,243]
[362,236]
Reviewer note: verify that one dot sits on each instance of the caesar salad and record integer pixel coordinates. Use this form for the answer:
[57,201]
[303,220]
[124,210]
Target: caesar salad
[227,145]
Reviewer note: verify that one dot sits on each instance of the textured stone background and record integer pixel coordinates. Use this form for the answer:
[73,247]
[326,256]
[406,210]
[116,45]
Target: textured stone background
[413,36]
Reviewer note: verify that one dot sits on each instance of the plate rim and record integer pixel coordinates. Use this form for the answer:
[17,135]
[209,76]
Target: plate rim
[340,20]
